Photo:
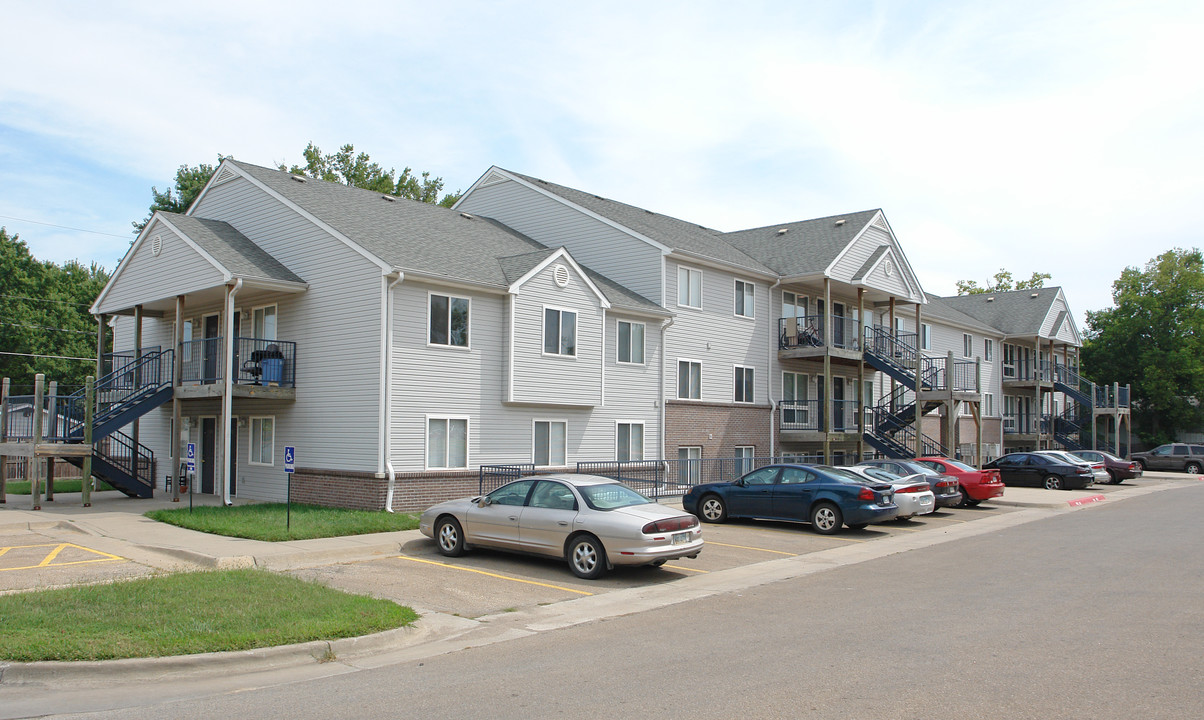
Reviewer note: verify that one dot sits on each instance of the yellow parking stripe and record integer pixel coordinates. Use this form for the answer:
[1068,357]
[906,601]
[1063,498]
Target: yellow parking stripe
[745,547]
[53,554]
[503,577]
[678,567]
[49,560]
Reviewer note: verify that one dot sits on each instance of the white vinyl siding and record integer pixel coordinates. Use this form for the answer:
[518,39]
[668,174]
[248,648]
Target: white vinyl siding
[177,269]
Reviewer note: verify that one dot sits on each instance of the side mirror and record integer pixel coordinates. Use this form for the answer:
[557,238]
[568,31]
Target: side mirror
[483,501]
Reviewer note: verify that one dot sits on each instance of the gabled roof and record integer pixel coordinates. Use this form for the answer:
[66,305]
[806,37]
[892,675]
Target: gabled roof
[938,309]
[1015,312]
[670,232]
[807,246]
[231,249]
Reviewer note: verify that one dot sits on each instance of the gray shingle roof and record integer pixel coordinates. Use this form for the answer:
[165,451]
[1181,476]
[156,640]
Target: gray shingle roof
[420,237]
[231,248]
[1017,312]
[807,246]
[938,309]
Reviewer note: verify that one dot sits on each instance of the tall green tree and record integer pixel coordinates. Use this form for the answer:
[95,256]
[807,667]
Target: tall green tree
[1003,282]
[358,170]
[189,183]
[1153,339]
[44,319]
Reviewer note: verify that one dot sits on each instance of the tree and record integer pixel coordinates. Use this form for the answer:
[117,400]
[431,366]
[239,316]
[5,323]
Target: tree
[1003,283]
[1153,339]
[358,170]
[189,183]
[44,312]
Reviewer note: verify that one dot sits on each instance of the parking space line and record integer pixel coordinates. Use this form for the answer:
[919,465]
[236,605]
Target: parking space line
[503,577]
[745,547]
[48,561]
[678,567]
[53,554]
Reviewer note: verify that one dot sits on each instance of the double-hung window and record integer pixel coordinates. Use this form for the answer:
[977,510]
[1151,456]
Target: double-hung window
[446,442]
[967,345]
[631,342]
[744,458]
[988,405]
[925,336]
[629,442]
[550,443]
[559,332]
[263,323]
[448,320]
[689,287]
[744,384]
[744,299]
[988,349]
[689,380]
[263,436]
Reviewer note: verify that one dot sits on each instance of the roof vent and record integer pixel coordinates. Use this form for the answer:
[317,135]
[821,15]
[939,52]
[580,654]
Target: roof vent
[298,178]
[991,299]
[1034,295]
[390,198]
[466,216]
[783,231]
[840,222]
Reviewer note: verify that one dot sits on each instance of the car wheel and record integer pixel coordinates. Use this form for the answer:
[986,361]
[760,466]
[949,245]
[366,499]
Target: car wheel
[1112,475]
[966,501]
[449,537]
[901,518]
[1141,464]
[1052,482]
[826,519]
[658,563]
[587,557]
[712,509]
[858,526]
[1192,468]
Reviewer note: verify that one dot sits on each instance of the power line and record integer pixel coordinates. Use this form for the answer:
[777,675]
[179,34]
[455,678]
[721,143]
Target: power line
[64,227]
[47,327]
[60,302]
[49,357]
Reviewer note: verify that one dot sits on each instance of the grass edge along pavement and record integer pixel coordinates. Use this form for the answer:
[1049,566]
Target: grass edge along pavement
[61,485]
[272,522]
[184,614]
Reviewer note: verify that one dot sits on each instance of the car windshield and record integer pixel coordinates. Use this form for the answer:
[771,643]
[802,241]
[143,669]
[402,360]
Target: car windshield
[608,496]
[959,465]
[919,468]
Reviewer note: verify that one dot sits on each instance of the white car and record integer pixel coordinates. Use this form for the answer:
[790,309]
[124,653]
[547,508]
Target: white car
[1098,469]
[912,493]
[593,522]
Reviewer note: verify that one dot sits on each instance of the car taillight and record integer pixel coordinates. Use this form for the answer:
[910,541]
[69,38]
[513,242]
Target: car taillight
[912,488]
[670,525]
[1133,466]
[947,484]
[866,494]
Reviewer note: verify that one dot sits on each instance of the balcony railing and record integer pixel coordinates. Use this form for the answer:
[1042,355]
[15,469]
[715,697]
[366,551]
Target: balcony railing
[808,332]
[256,361]
[807,415]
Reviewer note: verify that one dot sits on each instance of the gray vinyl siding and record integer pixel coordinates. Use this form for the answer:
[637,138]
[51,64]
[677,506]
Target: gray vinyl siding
[336,324]
[600,247]
[860,251]
[893,284]
[146,277]
[555,379]
[717,338]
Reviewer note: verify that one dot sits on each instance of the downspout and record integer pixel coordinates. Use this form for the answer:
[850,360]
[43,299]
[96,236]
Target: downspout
[773,426]
[228,396]
[386,384]
[664,359]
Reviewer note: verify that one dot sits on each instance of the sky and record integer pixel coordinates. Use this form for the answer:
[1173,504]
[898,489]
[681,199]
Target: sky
[1056,137]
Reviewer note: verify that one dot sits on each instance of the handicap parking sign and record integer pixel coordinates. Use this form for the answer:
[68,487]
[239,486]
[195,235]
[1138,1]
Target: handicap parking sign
[288,458]
[191,457]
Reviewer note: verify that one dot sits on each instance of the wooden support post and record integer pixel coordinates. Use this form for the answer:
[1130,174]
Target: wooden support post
[3,437]
[861,375]
[1038,408]
[53,416]
[951,405]
[89,415]
[919,448]
[135,434]
[31,468]
[177,375]
[826,319]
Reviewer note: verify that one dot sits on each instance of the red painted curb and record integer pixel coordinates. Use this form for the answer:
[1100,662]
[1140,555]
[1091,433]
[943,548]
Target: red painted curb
[1086,500]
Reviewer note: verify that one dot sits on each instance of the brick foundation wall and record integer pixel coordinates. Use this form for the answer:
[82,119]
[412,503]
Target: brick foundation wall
[716,427]
[412,492]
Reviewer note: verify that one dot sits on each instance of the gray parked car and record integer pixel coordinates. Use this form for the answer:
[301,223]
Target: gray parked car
[1172,456]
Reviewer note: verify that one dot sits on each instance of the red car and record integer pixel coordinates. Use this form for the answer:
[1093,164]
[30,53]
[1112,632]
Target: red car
[977,485]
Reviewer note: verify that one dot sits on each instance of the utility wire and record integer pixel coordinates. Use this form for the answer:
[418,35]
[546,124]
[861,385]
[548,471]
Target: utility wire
[64,227]
[46,327]
[60,302]
[52,357]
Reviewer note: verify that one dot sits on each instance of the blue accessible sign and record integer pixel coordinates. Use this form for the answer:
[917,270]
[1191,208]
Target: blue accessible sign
[289,455]
[191,457]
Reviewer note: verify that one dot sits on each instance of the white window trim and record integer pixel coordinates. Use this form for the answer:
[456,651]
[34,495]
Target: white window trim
[253,441]
[988,350]
[700,291]
[736,295]
[245,314]
[543,331]
[644,349]
[426,441]
[563,421]
[468,330]
[677,394]
[989,405]
[925,336]
[967,345]
[643,437]
[747,368]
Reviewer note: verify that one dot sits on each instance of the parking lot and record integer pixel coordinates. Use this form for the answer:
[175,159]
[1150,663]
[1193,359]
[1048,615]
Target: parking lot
[33,560]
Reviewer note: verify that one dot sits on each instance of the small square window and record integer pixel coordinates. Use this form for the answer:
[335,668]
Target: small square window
[631,342]
[551,439]
[448,321]
[629,442]
[559,332]
[447,442]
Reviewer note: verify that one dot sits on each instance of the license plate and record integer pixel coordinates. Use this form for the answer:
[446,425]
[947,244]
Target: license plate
[681,538]
[886,498]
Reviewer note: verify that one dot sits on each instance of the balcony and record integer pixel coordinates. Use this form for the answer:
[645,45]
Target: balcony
[805,337]
[261,368]
[806,416]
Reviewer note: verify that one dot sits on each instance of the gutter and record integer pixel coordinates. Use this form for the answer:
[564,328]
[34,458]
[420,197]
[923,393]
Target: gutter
[228,396]
[664,359]
[770,366]
[386,382]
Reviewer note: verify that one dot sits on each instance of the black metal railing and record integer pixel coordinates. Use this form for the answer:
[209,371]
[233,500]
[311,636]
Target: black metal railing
[808,331]
[808,415]
[257,361]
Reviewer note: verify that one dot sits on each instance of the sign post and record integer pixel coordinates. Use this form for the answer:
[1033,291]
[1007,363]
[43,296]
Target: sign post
[191,469]
[290,457]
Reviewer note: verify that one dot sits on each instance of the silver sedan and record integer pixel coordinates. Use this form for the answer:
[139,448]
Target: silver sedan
[592,522]
[913,494]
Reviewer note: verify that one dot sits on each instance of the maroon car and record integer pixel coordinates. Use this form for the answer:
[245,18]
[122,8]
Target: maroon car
[1119,470]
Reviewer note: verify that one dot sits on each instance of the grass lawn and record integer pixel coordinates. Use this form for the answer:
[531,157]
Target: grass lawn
[61,485]
[267,521]
[183,614]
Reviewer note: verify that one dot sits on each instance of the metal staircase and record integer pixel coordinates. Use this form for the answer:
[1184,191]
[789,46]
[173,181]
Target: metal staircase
[890,429]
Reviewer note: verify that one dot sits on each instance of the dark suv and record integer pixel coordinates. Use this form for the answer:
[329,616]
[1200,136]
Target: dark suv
[1173,456]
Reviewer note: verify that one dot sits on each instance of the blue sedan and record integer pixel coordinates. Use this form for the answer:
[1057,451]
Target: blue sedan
[827,497]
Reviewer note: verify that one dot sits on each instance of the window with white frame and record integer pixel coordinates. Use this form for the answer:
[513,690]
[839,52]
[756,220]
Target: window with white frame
[988,349]
[263,437]
[744,384]
[689,380]
[446,442]
[1009,360]
[263,323]
[925,336]
[744,458]
[559,332]
[551,442]
[988,404]
[631,342]
[689,287]
[967,345]
[629,441]
[448,320]
[795,409]
[689,465]
[744,299]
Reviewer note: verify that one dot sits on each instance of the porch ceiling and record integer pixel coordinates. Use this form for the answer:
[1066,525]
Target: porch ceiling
[252,292]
